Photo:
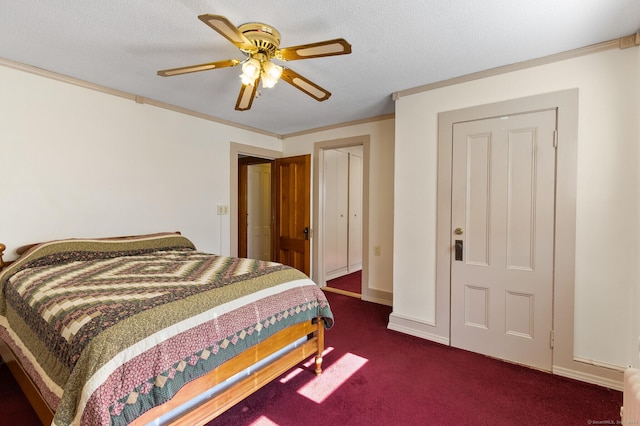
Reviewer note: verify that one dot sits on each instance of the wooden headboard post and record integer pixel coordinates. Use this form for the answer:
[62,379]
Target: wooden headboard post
[2,248]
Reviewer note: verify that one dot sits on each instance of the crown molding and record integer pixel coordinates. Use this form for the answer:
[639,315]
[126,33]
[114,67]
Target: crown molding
[125,95]
[618,43]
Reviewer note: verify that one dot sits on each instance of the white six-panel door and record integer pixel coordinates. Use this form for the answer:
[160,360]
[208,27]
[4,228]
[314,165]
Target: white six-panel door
[503,220]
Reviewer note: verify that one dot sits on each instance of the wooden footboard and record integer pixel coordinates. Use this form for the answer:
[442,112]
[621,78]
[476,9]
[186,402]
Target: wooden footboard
[208,410]
[220,403]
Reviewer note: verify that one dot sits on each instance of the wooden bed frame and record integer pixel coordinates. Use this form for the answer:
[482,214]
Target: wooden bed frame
[213,407]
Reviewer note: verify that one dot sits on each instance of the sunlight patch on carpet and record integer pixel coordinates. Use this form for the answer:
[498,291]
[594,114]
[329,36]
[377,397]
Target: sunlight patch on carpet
[308,364]
[264,421]
[332,378]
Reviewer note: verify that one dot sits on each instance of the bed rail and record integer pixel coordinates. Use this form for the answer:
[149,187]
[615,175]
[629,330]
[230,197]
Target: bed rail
[248,384]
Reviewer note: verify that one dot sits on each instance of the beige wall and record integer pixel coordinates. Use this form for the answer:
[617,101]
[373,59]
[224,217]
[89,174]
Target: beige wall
[380,135]
[606,275]
[82,163]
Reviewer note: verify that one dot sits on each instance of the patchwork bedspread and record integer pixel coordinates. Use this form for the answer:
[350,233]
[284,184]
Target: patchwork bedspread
[110,329]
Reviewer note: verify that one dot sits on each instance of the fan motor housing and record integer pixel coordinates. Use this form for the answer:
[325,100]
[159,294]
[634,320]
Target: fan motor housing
[264,37]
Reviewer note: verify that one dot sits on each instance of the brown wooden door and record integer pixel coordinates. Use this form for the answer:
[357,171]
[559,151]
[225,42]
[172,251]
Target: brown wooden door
[292,177]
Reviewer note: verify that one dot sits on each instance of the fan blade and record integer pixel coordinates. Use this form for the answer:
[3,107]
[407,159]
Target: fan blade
[307,86]
[227,30]
[338,46]
[196,68]
[247,95]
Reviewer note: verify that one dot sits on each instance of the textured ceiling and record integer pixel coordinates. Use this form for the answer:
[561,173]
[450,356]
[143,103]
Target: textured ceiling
[396,45]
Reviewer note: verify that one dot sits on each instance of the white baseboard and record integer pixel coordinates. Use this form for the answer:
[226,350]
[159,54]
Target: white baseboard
[377,296]
[337,273]
[424,329]
[415,327]
[588,378]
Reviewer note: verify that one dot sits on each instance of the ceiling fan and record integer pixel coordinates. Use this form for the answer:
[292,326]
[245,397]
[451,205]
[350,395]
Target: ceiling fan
[260,44]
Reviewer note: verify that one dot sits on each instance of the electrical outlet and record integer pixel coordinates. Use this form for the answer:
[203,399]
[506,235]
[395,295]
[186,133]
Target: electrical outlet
[223,209]
[376,250]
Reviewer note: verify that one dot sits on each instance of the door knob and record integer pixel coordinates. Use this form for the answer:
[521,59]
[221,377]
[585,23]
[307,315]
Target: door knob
[458,231]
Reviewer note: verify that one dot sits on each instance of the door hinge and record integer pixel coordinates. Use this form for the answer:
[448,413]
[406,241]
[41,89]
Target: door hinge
[552,339]
[555,138]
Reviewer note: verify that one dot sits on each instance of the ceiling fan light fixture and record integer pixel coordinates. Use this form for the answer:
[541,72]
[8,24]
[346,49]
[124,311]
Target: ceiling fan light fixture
[270,74]
[247,81]
[260,43]
[250,71]
[268,82]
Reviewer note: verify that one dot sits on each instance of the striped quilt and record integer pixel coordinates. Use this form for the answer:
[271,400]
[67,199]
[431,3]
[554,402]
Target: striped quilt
[108,329]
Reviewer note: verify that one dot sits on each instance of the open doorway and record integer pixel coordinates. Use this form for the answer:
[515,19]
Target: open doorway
[237,152]
[255,225]
[341,215]
[342,219]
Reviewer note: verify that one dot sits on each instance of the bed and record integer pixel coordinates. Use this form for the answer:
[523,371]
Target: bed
[149,330]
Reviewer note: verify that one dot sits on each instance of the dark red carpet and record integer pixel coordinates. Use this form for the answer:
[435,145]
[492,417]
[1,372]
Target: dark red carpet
[374,376]
[350,282]
[410,381]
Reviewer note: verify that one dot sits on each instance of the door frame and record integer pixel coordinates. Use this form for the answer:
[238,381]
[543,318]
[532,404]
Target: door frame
[566,102]
[565,217]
